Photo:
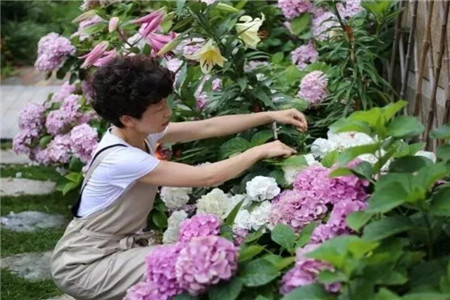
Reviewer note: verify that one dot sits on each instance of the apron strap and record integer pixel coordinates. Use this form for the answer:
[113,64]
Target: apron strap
[96,160]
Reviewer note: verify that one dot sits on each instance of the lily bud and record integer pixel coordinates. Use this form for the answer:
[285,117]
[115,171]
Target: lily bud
[113,23]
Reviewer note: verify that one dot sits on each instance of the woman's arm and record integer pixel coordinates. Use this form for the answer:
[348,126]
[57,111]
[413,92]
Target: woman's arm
[226,125]
[176,174]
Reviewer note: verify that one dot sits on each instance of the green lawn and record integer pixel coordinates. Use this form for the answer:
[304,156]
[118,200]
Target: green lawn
[14,287]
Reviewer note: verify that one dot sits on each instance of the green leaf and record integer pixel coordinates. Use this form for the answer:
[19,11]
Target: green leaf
[333,251]
[258,272]
[427,177]
[363,169]
[285,262]
[159,218]
[264,97]
[385,294]
[180,5]
[254,235]
[359,247]
[277,58]
[232,215]
[426,295]
[233,146]
[305,234]
[328,276]
[442,132]
[75,164]
[443,152]
[300,24]
[261,137]
[284,236]
[308,292]
[440,203]
[330,158]
[248,252]
[386,227]
[226,290]
[74,177]
[409,164]
[338,172]
[297,160]
[391,109]
[44,141]
[404,126]
[69,187]
[393,278]
[185,297]
[344,125]
[358,219]
[350,153]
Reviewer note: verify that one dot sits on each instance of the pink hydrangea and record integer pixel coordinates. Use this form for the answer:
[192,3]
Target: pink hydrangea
[253,64]
[143,291]
[84,141]
[305,272]
[161,264]
[199,225]
[304,55]
[297,209]
[314,87]
[53,51]
[322,21]
[205,261]
[23,141]
[64,91]
[294,8]
[88,90]
[190,46]
[315,181]
[337,223]
[350,8]
[239,235]
[58,150]
[201,96]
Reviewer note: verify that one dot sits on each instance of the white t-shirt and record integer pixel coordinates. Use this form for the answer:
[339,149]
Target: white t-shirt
[120,168]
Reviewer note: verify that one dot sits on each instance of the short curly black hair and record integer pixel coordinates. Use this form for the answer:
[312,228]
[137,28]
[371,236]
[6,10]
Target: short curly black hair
[128,85]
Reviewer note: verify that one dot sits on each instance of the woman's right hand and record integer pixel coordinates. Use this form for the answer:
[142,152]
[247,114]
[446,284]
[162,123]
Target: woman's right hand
[273,149]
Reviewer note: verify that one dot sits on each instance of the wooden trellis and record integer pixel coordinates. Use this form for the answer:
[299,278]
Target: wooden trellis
[421,49]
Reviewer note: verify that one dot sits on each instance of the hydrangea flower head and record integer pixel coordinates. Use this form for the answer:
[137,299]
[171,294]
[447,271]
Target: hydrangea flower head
[262,188]
[304,55]
[314,87]
[294,8]
[84,141]
[170,236]
[175,197]
[199,225]
[215,202]
[53,51]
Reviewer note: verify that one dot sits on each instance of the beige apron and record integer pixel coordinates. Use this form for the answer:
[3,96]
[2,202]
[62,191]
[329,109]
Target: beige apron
[102,255]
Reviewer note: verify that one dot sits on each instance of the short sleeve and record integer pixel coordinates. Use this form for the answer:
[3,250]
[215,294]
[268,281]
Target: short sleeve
[155,137]
[126,165]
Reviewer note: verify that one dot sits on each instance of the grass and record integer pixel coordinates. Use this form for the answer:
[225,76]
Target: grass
[31,172]
[17,288]
[14,287]
[6,145]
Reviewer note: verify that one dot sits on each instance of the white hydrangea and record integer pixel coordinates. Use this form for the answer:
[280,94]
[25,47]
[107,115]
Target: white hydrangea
[339,141]
[320,147]
[170,236]
[242,220]
[262,188]
[215,202]
[175,197]
[238,198]
[427,154]
[260,215]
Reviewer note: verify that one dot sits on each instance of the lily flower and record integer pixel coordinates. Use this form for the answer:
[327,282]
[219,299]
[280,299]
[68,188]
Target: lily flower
[248,30]
[148,18]
[158,41]
[107,57]
[94,55]
[208,55]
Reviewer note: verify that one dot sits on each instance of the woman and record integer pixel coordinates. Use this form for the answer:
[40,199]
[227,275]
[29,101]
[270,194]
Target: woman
[102,252]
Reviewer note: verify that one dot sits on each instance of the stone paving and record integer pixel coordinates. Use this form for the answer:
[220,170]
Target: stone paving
[32,266]
[27,221]
[10,157]
[22,186]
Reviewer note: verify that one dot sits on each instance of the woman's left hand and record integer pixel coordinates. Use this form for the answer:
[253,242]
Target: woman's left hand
[292,117]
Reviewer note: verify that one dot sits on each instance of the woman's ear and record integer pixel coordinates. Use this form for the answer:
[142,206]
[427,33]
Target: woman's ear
[127,121]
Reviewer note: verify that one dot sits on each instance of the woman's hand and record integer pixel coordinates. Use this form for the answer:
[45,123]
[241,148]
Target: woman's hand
[292,117]
[273,149]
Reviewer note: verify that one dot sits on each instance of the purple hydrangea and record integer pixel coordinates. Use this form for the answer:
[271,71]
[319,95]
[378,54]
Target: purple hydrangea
[191,46]
[59,120]
[305,272]
[53,51]
[88,89]
[58,150]
[239,235]
[304,55]
[322,21]
[199,225]
[315,181]
[84,141]
[23,141]
[337,223]
[143,291]
[205,261]
[297,209]
[294,8]
[161,264]
[64,91]
[314,87]
[32,118]
[351,8]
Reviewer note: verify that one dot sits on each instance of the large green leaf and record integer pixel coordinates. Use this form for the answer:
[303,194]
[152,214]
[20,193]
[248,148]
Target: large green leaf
[261,137]
[386,227]
[385,294]
[409,164]
[344,125]
[308,292]
[387,198]
[284,236]
[391,109]
[404,126]
[226,290]
[185,296]
[233,146]
[258,272]
[442,132]
[300,24]
[248,252]
[232,215]
[440,203]
[305,234]
[358,219]
[350,153]
[443,152]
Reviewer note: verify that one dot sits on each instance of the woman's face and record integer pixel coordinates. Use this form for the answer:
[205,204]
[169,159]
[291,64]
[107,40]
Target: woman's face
[155,118]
